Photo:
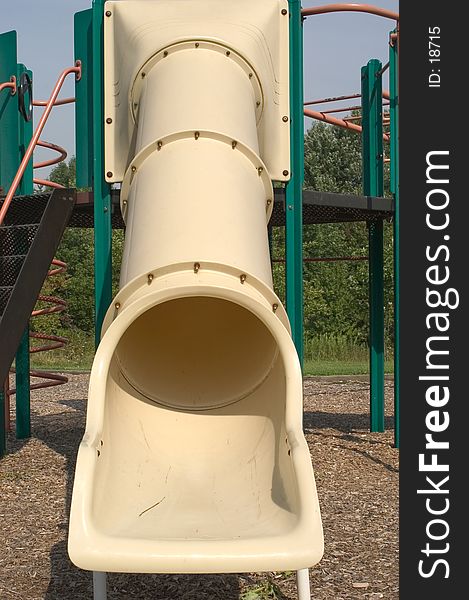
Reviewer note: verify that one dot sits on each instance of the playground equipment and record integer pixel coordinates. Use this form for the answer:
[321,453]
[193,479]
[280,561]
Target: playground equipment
[371,128]
[194,458]
[31,228]
[212,431]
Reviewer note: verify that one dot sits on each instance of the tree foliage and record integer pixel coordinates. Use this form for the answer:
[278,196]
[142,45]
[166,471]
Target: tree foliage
[77,250]
[336,293]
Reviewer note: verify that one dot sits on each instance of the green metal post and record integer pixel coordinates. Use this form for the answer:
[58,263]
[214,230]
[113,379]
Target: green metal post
[25,129]
[8,155]
[22,395]
[372,157]
[8,112]
[102,190]
[3,406]
[22,362]
[15,134]
[294,188]
[83,42]
[394,115]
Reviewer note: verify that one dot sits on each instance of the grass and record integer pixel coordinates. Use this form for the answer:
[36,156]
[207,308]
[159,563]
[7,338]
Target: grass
[324,355]
[76,355]
[266,589]
[329,354]
[336,367]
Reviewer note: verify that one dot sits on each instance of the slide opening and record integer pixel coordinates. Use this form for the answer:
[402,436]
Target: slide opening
[196,353]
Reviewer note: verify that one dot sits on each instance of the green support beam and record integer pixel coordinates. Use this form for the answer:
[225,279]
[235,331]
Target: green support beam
[22,362]
[8,112]
[9,143]
[3,408]
[15,135]
[102,190]
[394,115]
[372,157]
[25,130]
[83,43]
[294,188]
[23,391]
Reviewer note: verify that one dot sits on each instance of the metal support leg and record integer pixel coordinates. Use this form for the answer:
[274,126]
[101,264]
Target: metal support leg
[376,276]
[302,580]
[99,586]
[101,189]
[23,401]
[23,385]
[372,165]
[3,444]
[294,189]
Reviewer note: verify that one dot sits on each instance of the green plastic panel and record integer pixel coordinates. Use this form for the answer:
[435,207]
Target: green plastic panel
[83,27]
[101,189]
[15,134]
[9,135]
[25,131]
[294,188]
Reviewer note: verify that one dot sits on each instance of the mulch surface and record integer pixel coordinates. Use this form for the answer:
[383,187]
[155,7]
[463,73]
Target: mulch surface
[356,475]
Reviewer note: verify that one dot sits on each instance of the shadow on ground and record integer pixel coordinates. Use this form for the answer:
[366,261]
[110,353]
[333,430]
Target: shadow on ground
[343,422]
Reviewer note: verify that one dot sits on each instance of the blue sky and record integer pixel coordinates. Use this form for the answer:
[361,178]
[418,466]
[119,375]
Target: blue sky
[336,46]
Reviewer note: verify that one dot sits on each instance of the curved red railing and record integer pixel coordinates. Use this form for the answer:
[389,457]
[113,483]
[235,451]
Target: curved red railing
[346,122]
[319,116]
[9,85]
[363,8]
[54,304]
[35,138]
[49,341]
[325,116]
[52,161]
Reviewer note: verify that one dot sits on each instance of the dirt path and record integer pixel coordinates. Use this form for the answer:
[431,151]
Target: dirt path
[357,479]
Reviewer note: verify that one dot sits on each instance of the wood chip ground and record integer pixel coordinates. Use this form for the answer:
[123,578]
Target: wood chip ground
[357,479]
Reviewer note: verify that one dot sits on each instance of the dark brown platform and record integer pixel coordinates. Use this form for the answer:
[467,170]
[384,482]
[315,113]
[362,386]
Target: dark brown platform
[318,207]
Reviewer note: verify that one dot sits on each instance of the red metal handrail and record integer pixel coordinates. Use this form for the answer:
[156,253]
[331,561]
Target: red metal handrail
[363,8]
[333,99]
[342,7]
[319,116]
[9,85]
[56,103]
[57,305]
[386,96]
[345,109]
[35,138]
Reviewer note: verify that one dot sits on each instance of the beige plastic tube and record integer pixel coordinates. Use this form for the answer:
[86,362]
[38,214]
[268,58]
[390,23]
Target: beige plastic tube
[194,197]
[194,458]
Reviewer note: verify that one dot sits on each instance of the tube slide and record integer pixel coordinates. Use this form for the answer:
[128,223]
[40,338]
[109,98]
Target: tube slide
[194,458]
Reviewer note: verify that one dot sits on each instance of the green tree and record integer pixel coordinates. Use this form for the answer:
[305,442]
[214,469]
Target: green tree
[336,293]
[76,249]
